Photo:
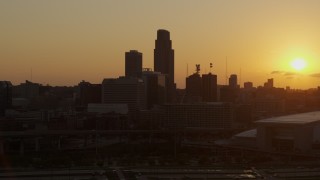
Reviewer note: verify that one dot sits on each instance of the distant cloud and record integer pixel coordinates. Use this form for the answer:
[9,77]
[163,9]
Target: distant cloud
[290,74]
[287,74]
[316,75]
[276,72]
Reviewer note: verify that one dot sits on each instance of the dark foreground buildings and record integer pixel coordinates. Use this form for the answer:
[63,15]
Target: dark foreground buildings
[88,93]
[5,96]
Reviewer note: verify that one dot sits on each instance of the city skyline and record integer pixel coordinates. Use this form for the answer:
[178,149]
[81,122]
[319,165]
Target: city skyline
[62,43]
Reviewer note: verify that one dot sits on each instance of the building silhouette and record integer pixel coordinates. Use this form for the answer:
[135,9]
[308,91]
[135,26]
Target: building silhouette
[124,90]
[233,81]
[209,87]
[5,96]
[270,102]
[133,63]
[228,93]
[269,83]
[164,60]
[155,87]
[194,88]
[88,93]
[28,90]
[248,85]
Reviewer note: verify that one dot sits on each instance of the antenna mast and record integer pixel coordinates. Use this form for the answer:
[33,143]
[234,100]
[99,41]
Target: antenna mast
[31,74]
[187,70]
[240,78]
[226,70]
[198,68]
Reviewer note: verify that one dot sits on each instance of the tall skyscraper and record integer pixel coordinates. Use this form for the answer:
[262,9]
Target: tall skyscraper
[133,64]
[209,87]
[164,60]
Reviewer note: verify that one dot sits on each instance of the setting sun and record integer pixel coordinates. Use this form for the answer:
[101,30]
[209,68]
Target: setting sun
[298,64]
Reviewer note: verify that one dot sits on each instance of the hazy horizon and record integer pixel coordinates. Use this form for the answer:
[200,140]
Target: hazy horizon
[64,42]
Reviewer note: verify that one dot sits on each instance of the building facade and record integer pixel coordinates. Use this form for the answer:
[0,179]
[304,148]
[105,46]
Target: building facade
[88,93]
[298,133]
[123,90]
[194,88]
[216,116]
[164,60]
[5,96]
[133,63]
[233,81]
[209,88]
[28,90]
[155,88]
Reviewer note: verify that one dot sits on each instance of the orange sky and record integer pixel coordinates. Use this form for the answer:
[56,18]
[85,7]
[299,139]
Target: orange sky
[66,41]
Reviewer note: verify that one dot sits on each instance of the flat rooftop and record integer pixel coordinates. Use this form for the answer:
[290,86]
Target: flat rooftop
[247,134]
[298,119]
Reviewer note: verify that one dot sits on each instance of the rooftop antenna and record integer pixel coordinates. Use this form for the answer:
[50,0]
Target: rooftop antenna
[226,70]
[240,77]
[31,74]
[197,68]
[210,67]
[187,70]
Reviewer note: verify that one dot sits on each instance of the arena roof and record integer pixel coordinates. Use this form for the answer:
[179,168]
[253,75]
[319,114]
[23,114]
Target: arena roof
[295,119]
[247,134]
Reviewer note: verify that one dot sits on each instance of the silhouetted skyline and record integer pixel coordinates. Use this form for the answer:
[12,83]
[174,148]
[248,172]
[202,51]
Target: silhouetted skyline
[62,43]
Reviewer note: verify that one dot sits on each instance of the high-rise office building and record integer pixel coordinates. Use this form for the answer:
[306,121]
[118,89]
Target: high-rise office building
[164,60]
[248,85]
[5,96]
[233,81]
[133,64]
[124,90]
[209,87]
[88,93]
[155,87]
[194,88]
[269,83]
[28,90]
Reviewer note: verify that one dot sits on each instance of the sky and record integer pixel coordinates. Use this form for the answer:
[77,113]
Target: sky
[62,42]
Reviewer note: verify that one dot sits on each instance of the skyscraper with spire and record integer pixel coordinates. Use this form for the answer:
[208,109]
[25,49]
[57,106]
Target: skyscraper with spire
[164,60]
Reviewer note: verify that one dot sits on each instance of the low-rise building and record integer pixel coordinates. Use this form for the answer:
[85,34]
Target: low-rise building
[213,115]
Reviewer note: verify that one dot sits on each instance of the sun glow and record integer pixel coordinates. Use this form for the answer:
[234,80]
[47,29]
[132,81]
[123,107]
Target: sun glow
[298,64]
